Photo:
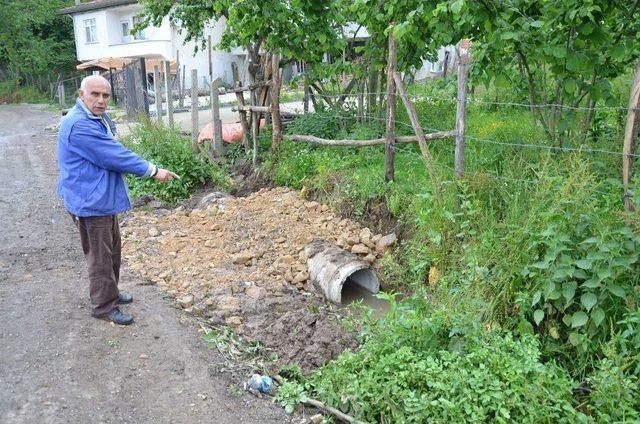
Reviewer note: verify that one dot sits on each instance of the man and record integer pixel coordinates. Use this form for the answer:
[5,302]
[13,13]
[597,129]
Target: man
[92,186]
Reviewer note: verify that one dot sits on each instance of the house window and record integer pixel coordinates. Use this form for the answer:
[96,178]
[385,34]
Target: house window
[126,31]
[140,35]
[90,30]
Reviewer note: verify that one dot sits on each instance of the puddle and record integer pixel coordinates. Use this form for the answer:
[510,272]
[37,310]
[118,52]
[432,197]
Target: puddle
[352,292]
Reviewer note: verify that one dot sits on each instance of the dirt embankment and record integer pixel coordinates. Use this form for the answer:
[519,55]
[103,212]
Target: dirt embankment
[241,262]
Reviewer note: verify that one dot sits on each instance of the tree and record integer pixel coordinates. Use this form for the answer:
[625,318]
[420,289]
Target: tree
[564,53]
[35,40]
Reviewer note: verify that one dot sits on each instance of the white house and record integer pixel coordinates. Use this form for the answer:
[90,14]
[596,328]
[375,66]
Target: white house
[103,30]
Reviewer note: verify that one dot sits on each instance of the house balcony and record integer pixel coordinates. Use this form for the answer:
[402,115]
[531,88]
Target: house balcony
[159,49]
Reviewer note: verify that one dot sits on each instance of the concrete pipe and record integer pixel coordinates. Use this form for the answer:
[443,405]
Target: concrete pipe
[330,266]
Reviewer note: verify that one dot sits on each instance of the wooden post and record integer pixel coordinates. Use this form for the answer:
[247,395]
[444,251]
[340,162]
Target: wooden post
[216,124]
[413,116]
[275,103]
[180,85]
[209,55]
[113,88]
[158,91]
[144,88]
[306,96]
[373,88]
[61,95]
[243,114]
[630,136]
[184,85]
[461,112]
[168,90]
[194,110]
[255,116]
[361,102]
[390,135]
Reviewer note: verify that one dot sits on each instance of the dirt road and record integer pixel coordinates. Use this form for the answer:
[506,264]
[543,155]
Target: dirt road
[59,365]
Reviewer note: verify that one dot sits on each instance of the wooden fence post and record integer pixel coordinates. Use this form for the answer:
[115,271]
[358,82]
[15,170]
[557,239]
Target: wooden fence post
[144,101]
[390,135]
[184,85]
[216,124]
[61,95]
[461,112]
[275,103]
[630,136]
[422,142]
[168,90]
[240,97]
[194,110]
[158,92]
[180,85]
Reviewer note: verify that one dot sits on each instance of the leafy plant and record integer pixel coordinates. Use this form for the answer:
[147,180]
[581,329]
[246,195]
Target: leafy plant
[166,148]
[290,394]
[583,278]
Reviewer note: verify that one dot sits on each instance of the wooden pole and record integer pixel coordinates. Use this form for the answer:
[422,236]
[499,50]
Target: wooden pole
[461,113]
[373,88]
[361,102]
[158,91]
[243,114]
[180,85]
[194,110]
[168,90]
[275,103]
[363,143]
[306,96]
[389,150]
[218,148]
[184,85]
[144,82]
[113,88]
[422,142]
[209,55]
[255,115]
[61,95]
[630,136]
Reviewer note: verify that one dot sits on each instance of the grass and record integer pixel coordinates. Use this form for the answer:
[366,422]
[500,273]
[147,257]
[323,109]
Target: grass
[10,92]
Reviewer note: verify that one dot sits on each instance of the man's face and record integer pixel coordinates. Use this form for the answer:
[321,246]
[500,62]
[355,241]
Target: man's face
[96,96]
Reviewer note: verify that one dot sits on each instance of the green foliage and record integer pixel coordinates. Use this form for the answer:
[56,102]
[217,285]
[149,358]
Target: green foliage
[35,40]
[290,393]
[582,279]
[426,366]
[168,149]
[10,92]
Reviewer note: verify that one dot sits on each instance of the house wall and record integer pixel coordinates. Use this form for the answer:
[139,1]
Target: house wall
[159,42]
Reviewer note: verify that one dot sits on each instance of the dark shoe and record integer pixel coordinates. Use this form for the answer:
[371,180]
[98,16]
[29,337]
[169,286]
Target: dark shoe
[124,298]
[119,317]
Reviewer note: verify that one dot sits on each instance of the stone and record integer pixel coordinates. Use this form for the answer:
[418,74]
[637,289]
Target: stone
[234,321]
[365,234]
[371,258]
[341,242]
[360,249]
[288,276]
[300,277]
[154,232]
[242,258]
[312,205]
[375,238]
[386,242]
[185,301]
[353,239]
[255,292]
[228,303]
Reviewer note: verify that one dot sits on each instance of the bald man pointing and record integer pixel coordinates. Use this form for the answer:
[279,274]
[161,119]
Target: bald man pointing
[92,163]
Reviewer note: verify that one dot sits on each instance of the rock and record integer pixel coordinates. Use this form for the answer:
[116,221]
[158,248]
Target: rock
[186,301]
[353,239]
[341,242]
[300,277]
[365,234]
[371,258]
[143,356]
[280,240]
[312,205]
[386,242]
[154,232]
[324,208]
[255,292]
[242,258]
[228,303]
[288,276]
[376,238]
[234,321]
[360,249]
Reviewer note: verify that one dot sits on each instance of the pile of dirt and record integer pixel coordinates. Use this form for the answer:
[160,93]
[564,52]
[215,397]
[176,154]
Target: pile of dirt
[241,262]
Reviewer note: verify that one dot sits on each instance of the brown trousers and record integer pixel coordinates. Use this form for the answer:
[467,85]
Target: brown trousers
[100,238]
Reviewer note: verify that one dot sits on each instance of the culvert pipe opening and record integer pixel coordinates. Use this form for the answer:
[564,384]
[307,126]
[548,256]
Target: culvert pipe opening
[330,267]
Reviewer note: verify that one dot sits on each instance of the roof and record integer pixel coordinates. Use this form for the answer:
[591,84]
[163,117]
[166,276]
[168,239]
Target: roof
[118,63]
[95,5]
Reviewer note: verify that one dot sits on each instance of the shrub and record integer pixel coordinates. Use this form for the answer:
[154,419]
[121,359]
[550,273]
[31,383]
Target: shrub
[168,149]
[11,92]
[421,366]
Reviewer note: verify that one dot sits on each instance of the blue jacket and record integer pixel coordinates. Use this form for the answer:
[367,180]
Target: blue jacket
[91,165]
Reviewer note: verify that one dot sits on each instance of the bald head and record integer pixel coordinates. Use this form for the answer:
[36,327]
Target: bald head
[95,92]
